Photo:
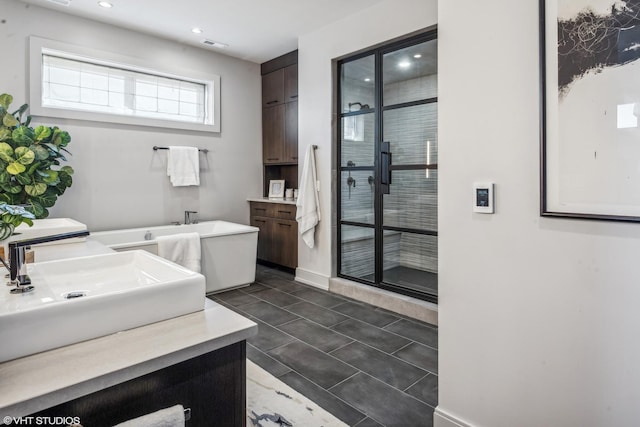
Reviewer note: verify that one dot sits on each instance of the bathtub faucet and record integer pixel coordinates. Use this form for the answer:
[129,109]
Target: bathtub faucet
[187,217]
[17,249]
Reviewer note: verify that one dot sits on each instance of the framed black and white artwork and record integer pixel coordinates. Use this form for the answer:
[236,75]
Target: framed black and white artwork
[590,109]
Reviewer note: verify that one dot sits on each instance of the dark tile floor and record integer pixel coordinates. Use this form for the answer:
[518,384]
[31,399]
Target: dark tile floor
[365,365]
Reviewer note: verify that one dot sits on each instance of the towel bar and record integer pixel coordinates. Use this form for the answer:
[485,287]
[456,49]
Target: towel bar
[156,148]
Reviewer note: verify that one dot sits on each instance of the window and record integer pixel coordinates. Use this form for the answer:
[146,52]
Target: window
[71,84]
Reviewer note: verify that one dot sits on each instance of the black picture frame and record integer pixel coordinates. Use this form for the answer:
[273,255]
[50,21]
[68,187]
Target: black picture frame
[574,181]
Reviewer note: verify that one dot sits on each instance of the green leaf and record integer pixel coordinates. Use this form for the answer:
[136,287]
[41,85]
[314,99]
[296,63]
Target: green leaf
[23,135]
[62,138]
[15,168]
[4,177]
[52,147]
[33,168]
[11,188]
[35,208]
[9,121]
[65,179]
[21,110]
[40,152]
[67,169]
[51,178]
[4,134]
[45,214]
[26,122]
[42,133]
[48,199]
[6,152]
[6,100]
[24,155]
[35,189]
[23,179]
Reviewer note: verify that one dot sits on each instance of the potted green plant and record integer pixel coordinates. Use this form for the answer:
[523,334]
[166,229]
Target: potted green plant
[12,216]
[29,161]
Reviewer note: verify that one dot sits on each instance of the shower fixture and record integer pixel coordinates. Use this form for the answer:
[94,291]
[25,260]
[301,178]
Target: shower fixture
[362,106]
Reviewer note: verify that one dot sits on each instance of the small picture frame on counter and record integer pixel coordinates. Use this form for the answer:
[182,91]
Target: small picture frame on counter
[276,188]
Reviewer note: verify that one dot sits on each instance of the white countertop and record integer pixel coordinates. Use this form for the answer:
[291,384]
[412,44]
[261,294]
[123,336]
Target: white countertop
[272,200]
[33,383]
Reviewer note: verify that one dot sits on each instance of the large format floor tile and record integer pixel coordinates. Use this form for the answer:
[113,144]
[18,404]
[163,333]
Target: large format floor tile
[375,337]
[367,366]
[389,369]
[313,334]
[317,366]
[373,397]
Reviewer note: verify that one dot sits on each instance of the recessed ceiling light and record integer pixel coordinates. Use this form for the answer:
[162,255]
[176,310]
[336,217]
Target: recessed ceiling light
[367,79]
[404,64]
[105,4]
[417,55]
[196,30]
[61,2]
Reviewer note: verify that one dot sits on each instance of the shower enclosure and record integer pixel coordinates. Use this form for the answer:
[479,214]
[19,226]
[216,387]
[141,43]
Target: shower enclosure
[388,167]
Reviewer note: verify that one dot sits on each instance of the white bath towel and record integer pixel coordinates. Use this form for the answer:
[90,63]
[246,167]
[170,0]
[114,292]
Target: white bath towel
[183,166]
[308,204]
[182,248]
[169,417]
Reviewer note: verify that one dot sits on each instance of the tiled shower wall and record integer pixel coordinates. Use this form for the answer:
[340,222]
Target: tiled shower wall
[412,202]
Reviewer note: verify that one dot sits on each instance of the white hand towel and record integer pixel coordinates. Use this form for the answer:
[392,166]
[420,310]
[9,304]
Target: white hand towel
[308,204]
[183,166]
[170,417]
[182,248]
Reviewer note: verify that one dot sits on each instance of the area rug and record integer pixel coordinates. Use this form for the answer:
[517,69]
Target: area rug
[272,403]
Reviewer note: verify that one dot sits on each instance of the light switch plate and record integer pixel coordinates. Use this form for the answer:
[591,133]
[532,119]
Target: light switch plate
[483,201]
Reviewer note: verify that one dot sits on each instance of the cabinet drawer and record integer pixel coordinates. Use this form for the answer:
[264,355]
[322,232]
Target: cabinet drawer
[262,209]
[284,211]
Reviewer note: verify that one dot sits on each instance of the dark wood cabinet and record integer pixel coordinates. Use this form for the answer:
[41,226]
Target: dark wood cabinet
[280,116]
[273,134]
[278,235]
[290,149]
[273,88]
[291,83]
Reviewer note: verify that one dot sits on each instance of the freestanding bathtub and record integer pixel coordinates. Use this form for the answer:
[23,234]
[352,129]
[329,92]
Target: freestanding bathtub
[228,249]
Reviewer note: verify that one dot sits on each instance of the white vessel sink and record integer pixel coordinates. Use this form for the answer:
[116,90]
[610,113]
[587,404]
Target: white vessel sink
[121,290]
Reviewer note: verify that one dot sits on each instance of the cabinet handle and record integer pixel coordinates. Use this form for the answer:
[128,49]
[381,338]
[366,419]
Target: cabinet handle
[273,158]
[284,225]
[259,220]
[287,212]
[294,157]
[260,209]
[272,102]
[293,96]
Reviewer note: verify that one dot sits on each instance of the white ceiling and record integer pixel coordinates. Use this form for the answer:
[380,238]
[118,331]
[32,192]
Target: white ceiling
[255,30]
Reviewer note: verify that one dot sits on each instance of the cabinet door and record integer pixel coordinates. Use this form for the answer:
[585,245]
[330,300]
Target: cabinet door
[265,238]
[273,134]
[291,83]
[291,132]
[273,88]
[287,241]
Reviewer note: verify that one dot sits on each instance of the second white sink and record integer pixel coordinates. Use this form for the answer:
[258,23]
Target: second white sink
[83,298]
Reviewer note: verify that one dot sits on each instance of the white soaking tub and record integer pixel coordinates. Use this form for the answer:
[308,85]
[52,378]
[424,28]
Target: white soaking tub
[228,249]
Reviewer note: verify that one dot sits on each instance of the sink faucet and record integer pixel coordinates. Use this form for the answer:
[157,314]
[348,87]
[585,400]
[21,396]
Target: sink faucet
[22,282]
[187,217]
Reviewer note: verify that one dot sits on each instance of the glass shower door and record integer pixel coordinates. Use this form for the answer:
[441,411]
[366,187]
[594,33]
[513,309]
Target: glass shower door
[357,166]
[388,177]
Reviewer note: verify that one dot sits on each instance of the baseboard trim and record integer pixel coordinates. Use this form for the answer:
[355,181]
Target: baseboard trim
[442,418]
[312,279]
[397,303]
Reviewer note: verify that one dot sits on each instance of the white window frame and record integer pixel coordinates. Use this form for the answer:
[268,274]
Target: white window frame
[39,46]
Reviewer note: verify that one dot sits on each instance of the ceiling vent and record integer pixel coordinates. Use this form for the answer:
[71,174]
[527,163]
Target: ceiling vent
[61,2]
[214,44]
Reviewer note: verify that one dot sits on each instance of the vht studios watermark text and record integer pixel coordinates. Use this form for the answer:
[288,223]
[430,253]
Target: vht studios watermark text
[40,421]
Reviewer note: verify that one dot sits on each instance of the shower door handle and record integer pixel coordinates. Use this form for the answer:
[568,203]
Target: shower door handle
[385,166]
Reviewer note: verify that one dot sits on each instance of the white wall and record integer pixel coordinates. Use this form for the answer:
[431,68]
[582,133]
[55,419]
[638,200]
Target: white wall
[120,181]
[386,20]
[538,317]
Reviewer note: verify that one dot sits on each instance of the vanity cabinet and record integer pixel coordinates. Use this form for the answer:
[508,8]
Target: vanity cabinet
[280,116]
[278,235]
